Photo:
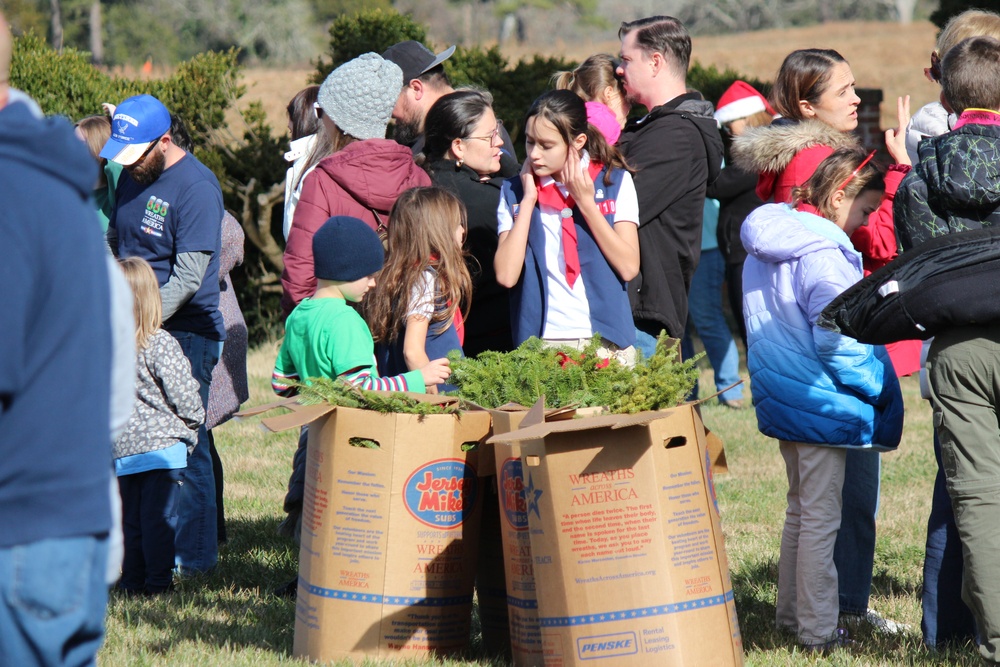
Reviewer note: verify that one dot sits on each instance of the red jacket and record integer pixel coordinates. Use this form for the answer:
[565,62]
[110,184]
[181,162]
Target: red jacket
[363,178]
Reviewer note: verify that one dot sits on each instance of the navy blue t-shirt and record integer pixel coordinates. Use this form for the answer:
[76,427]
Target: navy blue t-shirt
[181,212]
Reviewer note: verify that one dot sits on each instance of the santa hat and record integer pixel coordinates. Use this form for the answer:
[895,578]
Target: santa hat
[739,101]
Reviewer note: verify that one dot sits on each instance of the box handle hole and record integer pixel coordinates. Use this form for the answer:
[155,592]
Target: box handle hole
[470,446]
[533,461]
[676,441]
[367,443]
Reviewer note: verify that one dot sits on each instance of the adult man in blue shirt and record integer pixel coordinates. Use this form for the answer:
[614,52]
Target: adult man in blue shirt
[168,211]
[55,379]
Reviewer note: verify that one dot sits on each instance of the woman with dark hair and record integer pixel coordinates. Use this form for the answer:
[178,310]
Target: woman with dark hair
[814,94]
[304,151]
[462,153]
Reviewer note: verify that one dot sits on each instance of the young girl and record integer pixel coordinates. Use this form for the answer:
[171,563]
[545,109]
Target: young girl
[818,393]
[152,451]
[596,82]
[568,232]
[416,313]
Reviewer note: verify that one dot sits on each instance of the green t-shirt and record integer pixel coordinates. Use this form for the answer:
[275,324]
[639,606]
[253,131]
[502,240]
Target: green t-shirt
[327,338]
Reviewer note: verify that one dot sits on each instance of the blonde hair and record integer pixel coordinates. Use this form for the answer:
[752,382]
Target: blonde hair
[421,236]
[970,23]
[146,305]
[591,78]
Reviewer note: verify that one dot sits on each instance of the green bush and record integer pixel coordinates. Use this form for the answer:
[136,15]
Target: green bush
[711,83]
[200,91]
[373,30]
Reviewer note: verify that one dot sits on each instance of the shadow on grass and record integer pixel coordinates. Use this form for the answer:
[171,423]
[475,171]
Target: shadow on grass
[755,587]
[234,605]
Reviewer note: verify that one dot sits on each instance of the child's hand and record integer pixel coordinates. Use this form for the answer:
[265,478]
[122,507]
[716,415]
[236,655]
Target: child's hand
[895,139]
[528,182]
[576,180]
[435,372]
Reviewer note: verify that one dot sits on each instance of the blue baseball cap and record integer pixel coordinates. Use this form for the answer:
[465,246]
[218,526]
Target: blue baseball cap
[138,122]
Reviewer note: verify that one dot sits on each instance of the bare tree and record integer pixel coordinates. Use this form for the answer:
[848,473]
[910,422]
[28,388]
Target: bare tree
[96,33]
[57,29]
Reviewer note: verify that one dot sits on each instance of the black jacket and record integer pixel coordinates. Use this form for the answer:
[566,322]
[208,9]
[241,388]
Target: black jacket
[943,283]
[954,187]
[675,151]
[736,191]
[488,325]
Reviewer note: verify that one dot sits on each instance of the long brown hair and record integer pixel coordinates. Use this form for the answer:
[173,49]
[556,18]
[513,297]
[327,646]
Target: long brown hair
[568,114]
[146,305]
[421,236]
[804,75]
[591,78]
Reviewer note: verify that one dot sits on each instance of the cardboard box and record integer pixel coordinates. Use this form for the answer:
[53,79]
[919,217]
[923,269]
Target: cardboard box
[389,534]
[627,550]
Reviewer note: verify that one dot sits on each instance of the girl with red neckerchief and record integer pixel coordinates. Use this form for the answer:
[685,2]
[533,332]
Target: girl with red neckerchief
[568,232]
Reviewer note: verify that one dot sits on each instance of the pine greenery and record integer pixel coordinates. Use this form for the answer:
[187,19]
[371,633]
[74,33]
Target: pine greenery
[343,394]
[568,377]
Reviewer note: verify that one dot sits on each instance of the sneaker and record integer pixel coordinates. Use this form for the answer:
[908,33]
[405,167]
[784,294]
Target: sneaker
[840,640]
[876,621]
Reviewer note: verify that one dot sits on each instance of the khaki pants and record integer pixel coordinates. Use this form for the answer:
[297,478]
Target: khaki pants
[808,603]
[964,374]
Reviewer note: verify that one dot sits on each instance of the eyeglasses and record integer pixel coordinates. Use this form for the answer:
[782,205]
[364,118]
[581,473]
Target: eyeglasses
[317,110]
[493,135]
[855,172]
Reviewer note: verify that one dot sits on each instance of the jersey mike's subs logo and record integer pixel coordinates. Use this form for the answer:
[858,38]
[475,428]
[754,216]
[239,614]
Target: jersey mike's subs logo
[512,499]
[441,493]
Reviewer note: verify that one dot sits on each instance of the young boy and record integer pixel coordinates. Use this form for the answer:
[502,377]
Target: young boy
[954,188]
[325,337]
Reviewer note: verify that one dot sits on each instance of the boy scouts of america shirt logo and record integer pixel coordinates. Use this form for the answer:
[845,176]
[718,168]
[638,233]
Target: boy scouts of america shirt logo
[155,216]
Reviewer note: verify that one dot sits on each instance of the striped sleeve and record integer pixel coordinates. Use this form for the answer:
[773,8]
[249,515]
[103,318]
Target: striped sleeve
[282,384]
[363,378]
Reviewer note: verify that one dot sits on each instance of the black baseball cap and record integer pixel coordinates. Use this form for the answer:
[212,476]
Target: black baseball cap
[414,58]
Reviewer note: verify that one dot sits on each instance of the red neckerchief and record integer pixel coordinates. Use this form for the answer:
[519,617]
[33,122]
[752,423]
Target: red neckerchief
[978,117]
[457,321]
[550,195]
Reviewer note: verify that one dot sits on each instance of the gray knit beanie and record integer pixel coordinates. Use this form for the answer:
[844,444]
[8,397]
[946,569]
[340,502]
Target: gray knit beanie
[360,94]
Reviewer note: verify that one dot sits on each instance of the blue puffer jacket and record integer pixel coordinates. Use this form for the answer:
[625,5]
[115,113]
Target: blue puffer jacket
[811,385]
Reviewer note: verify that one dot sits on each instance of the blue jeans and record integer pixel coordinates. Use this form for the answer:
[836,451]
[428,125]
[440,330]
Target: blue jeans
[854,553]
[705,318]
[149,521]
[945,616]
[197,542]
[53,597]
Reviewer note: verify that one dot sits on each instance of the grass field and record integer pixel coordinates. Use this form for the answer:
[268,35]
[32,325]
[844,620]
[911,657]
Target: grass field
[231,617]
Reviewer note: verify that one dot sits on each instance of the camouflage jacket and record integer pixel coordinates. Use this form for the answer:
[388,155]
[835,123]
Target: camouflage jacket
[955,187]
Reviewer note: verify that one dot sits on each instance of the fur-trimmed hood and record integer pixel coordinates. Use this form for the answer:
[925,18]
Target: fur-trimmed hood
[771,148]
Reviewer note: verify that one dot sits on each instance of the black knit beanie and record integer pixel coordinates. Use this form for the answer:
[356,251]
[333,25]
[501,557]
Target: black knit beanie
[346,249]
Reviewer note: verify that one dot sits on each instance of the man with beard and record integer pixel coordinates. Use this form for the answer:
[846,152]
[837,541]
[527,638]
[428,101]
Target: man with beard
[676,150]
[168,211]
[424,83]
